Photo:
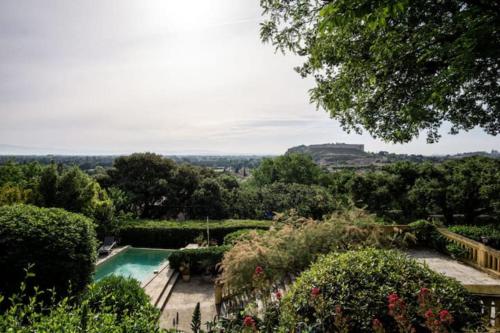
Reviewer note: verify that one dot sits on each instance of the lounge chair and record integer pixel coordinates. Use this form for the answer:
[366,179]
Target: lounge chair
[107,246]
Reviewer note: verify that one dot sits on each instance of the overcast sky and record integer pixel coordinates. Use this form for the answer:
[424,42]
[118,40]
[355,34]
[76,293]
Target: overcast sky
[170,76]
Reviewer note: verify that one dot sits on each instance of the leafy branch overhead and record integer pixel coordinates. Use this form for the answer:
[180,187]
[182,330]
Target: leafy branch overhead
[395,67]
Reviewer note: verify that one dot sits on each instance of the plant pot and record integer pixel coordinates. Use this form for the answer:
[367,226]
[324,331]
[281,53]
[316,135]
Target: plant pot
[485,240]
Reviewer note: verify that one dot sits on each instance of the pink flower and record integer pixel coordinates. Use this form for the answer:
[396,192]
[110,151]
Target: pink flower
[259,270]
[248,321]
[393,298]
[315,291]
[377,324]
[429,314]
[278,295]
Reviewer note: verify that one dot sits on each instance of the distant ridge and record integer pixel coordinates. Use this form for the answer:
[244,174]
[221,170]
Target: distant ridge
[334,153]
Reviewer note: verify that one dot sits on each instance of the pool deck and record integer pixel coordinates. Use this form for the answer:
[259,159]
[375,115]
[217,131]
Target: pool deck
[113,253]
[183,300]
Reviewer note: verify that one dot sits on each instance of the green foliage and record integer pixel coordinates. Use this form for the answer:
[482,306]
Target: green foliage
[196,319]
[26,314]
[200,260]
[456,251]
[359,282]
[488,233]
[13,194]
[118,295]
[61,245]
[427,235]
[294,243]
[290,168]
[395,68]
[233,237]
[172,234]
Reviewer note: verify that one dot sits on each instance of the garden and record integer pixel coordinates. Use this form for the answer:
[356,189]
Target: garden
[292,248]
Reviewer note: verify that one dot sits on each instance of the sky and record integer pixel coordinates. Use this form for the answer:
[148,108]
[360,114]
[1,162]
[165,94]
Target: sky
[168,76]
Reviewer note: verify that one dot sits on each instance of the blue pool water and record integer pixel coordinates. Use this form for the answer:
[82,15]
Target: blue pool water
[139,264]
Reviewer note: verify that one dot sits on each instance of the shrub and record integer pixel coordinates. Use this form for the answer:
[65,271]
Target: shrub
[358,284]
[200,260]
[60,245]
[171,234]
[74,315]
[233,237]
[118,295]
[491,233]
[427,235]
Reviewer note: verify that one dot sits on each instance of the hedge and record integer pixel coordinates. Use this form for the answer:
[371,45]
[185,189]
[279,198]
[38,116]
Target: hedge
[200,260]
[358,283]
[60,246]
[475,232]
[172,234]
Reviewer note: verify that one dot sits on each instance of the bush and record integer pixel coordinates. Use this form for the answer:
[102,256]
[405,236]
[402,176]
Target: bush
[491,233]
[73,314]
[119,295]
[427,235]
[171,234]
[358,283]
[233,237]
[60,245]
[200,260]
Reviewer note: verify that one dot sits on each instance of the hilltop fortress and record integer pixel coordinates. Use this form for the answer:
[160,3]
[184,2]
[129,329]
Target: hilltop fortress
[334,153]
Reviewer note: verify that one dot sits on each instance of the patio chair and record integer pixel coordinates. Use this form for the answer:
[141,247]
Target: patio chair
[107,246]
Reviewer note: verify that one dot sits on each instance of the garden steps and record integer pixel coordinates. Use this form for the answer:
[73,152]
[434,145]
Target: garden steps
[162,301]
[155,287]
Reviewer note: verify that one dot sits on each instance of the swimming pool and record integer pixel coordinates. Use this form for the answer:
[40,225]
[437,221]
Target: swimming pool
[132,262]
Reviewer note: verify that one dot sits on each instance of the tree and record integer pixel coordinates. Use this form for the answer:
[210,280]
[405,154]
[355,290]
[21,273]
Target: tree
[396,68]
[289,168]
[147,179]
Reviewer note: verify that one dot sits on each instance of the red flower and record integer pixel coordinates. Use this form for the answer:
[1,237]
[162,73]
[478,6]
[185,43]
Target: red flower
[445,316]
[248,321]
[315,291]
[424,291]
[391,306]
[259,270]
[429,314]
[278,295]
[393,298]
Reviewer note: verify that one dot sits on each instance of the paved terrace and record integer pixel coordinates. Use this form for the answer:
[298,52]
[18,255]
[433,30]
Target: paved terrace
[474,280]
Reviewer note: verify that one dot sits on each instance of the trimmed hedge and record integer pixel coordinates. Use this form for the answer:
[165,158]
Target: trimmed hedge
[232,238]
[359,283]
[200,260]
[172,234]
[60,245]
[475,232]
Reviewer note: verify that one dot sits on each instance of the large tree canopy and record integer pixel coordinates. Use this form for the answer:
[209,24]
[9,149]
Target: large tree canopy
[396,67]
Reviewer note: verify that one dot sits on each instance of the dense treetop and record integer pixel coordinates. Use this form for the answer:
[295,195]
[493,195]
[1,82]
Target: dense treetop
[396,68]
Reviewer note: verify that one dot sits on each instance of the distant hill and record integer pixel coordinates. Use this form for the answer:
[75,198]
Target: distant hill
[335,154]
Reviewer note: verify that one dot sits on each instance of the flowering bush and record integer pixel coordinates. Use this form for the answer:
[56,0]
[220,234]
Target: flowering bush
[376,290]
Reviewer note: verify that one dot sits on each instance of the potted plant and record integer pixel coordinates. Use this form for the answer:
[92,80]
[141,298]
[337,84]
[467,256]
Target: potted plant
[185,271]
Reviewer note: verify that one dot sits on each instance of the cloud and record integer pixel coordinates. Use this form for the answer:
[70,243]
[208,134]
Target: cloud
[126,75]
